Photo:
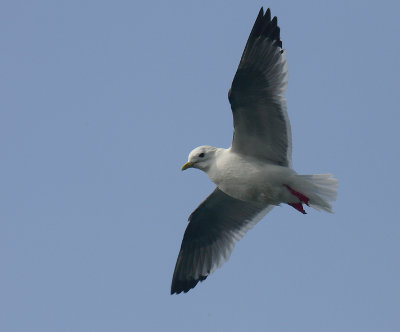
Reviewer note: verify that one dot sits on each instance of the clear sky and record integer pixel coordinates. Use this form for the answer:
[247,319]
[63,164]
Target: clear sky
[100,104]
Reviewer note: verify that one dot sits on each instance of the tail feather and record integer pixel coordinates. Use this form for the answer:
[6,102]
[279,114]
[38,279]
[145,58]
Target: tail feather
[321,189]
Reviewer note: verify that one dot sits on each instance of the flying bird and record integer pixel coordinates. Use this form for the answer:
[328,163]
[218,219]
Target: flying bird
[255,173]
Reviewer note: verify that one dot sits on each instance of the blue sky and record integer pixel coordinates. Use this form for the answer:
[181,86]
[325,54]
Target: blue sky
[100,104]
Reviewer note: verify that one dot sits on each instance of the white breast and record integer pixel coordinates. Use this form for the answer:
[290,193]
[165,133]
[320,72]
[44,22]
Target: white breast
[248,179]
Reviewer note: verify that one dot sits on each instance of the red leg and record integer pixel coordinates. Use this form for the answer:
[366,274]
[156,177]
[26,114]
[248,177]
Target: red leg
[298,207]
[304,199]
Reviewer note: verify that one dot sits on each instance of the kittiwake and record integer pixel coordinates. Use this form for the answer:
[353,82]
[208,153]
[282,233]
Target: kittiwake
[256,172]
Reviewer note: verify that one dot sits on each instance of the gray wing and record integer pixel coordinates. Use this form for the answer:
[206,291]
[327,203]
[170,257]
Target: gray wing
[262,127]
[213,229]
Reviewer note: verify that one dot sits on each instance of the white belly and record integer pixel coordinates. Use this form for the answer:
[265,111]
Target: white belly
[250,180]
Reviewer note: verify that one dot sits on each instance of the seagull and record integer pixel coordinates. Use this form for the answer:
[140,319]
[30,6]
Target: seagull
[255,173]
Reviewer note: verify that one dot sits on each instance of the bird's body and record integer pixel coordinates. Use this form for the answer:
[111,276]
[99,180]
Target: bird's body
[251,180]
[255,173]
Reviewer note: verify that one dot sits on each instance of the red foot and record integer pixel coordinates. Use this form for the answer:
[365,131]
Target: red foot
[301,197]
[298,207]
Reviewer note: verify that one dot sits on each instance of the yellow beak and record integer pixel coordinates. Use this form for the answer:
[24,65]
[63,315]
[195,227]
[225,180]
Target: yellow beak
[187,165]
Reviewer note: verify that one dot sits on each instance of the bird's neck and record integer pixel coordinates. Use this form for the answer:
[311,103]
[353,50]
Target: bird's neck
[213,168]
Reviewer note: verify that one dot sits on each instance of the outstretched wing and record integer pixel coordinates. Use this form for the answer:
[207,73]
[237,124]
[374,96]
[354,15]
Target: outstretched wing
[262,127]
[213,229]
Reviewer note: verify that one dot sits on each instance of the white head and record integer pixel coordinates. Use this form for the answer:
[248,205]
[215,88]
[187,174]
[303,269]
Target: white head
[201,157]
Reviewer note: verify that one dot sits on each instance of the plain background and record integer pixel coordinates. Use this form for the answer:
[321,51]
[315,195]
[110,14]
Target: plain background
[100,104]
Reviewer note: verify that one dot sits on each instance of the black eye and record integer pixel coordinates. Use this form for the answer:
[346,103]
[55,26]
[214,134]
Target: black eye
[201,155]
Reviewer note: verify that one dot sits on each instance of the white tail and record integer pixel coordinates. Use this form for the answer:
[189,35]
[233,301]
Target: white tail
[321,189]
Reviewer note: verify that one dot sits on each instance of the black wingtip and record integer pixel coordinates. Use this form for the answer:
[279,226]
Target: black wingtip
[179,286]
[268,14]
[267,27]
